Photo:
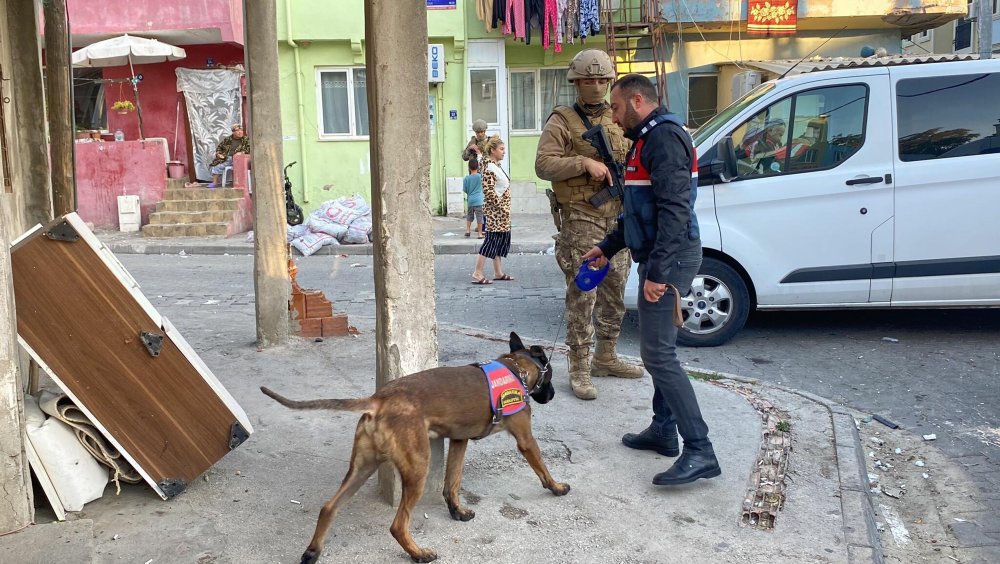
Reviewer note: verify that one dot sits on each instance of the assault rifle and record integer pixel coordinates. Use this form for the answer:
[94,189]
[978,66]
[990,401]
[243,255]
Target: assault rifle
[597,137]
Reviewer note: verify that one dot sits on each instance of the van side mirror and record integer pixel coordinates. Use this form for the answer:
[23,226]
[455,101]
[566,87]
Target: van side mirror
[722,167]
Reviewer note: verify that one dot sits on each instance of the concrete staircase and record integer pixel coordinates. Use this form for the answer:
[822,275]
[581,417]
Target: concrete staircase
[194,212]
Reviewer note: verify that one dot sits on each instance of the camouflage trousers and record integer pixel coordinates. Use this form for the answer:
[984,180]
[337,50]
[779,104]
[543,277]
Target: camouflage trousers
[601,310]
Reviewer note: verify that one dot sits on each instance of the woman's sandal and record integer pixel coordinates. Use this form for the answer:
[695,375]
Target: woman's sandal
[504,277]
[484,281]
[467,234]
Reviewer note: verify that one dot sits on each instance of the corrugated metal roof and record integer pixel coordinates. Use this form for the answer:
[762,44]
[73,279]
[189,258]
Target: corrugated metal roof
[831,63]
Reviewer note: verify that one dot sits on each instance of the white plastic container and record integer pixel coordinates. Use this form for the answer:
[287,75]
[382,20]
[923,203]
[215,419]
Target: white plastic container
[129,216]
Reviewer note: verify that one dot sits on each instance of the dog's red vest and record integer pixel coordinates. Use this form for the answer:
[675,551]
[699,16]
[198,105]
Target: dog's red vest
[507,393]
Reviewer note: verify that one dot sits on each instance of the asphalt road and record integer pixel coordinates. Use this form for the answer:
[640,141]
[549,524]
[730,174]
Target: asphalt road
[929,371]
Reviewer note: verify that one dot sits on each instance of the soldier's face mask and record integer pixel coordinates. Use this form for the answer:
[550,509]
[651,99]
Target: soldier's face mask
[592,90]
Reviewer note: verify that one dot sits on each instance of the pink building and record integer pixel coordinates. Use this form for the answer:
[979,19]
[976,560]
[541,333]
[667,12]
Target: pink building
[210,31]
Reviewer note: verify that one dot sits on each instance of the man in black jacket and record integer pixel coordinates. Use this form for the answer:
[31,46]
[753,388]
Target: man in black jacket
[660,228]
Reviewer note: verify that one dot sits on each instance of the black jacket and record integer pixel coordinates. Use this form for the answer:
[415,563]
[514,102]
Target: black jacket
[668,223]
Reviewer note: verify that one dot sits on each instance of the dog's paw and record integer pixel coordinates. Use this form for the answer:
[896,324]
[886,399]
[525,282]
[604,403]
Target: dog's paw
[425,555]
[461,514]
[559,488]
[310,556]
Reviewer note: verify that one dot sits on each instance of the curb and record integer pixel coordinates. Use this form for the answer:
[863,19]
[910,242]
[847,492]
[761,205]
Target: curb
[862,546]
[173,248]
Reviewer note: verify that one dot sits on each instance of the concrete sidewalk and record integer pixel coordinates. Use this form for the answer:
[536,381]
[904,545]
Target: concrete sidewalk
[259,503]
[531,233]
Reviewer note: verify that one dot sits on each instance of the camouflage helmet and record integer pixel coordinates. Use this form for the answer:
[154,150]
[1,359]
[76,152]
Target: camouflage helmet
[479,126]
[590,63]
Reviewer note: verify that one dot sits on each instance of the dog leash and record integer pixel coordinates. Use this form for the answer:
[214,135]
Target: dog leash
[562,321]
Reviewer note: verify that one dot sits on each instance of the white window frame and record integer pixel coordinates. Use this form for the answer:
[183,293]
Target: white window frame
[540,118]
[352,134]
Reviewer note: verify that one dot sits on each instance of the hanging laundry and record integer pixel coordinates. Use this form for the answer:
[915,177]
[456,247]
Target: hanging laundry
[560,23]
[549,21]
[499,13]
[590,21]
[533,9]
[572,20]
[484,12]
[514,24]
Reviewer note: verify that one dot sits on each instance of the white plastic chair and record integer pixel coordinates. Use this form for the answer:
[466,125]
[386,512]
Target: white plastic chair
[227,171]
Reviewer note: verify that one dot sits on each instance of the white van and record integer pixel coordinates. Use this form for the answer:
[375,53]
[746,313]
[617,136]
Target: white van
[862,187]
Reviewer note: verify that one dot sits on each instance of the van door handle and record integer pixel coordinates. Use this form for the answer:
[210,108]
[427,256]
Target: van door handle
[869,180]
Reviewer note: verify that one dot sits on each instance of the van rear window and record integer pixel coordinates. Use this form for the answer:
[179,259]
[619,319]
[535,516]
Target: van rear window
[943,117]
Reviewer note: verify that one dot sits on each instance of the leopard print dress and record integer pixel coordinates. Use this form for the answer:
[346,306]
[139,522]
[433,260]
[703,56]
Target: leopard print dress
[496,207]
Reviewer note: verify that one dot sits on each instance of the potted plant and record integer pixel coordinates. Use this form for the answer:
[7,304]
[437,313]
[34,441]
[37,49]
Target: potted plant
[123,107]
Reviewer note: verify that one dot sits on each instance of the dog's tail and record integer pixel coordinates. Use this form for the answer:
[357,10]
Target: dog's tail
[359,405]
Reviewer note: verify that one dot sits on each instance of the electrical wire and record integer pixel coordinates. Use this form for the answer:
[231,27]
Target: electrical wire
[707,42]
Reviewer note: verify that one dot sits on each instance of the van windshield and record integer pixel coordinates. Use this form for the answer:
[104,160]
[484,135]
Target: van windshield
[723,117]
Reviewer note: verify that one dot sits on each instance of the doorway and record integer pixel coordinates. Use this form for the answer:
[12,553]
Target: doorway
[486,90]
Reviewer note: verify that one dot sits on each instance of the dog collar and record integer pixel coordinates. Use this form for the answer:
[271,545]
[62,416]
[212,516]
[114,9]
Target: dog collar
[507,391]
[542,369]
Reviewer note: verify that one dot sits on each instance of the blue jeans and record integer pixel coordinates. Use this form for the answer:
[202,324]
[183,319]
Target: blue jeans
[675,407]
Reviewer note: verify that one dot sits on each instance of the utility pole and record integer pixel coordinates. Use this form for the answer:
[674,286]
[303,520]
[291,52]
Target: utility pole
[984,26]
[59,99]
[399,140]
[29,113]
[272,284]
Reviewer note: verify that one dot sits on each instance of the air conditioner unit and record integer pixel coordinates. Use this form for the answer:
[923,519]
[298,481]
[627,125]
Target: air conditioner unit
[744,82]
[435,63]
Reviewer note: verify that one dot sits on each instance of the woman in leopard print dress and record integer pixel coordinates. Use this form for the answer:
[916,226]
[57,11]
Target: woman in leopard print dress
[496,208]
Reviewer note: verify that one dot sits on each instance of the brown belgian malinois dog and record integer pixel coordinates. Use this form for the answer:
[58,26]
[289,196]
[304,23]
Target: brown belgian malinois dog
[398,421]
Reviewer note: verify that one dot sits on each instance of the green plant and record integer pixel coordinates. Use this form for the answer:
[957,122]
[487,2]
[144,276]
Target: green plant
[123,106]
[784,426]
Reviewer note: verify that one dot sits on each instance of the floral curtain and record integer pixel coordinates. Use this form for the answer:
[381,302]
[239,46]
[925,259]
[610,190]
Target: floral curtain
[772,17]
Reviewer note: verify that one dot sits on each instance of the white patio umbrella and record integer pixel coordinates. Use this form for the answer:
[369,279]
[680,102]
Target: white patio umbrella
[127,50]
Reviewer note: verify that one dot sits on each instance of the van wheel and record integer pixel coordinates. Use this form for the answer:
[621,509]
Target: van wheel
[716,308]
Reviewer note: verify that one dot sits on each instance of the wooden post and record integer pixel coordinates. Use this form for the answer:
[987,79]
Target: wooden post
[399,140]
[29,110]
[272,284]
[59,98]
[16,506]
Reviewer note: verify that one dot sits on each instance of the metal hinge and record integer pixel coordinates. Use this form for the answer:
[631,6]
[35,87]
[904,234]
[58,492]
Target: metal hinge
[152,341]
[62,231]
[172,486]
[237,435]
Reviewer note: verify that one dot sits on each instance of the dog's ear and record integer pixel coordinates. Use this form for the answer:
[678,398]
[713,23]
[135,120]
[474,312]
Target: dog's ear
[538,352]
[515,342]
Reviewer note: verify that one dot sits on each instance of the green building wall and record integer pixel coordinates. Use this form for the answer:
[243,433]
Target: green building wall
[325,36]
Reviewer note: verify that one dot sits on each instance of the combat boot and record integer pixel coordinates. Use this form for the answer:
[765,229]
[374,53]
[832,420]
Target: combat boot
[607,363]
[579,373]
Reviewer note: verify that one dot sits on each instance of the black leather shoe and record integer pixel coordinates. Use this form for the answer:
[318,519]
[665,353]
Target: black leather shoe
[689,467]
[650,440]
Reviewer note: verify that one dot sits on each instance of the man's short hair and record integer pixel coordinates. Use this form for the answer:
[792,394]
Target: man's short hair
[473,164]
[632,84]
[236,126]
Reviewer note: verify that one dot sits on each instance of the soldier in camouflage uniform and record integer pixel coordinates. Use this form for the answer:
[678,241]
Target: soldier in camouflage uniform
[476,148]
[578,173]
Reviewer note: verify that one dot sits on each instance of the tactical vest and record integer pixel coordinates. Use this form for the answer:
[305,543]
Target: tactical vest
[575,192]
[640,217]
